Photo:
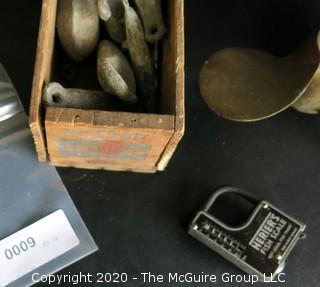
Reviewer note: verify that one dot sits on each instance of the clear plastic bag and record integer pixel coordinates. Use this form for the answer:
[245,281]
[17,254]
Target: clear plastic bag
[30,190]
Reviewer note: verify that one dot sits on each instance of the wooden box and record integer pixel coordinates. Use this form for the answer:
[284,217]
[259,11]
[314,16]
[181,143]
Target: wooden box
[110,140]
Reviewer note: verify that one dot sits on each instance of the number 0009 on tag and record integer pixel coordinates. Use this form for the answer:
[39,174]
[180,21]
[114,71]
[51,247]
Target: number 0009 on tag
[34,246]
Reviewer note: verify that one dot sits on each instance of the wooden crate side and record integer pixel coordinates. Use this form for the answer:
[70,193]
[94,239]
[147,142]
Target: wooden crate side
[42,73]
[107,140]
[174,61]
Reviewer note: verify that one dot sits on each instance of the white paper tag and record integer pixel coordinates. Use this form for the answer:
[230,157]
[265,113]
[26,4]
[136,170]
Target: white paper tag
[34,246]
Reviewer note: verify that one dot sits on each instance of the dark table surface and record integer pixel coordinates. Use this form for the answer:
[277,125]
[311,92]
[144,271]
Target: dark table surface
[140,221]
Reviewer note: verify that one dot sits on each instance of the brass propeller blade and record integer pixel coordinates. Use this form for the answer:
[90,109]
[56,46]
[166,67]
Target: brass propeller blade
[248,85]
